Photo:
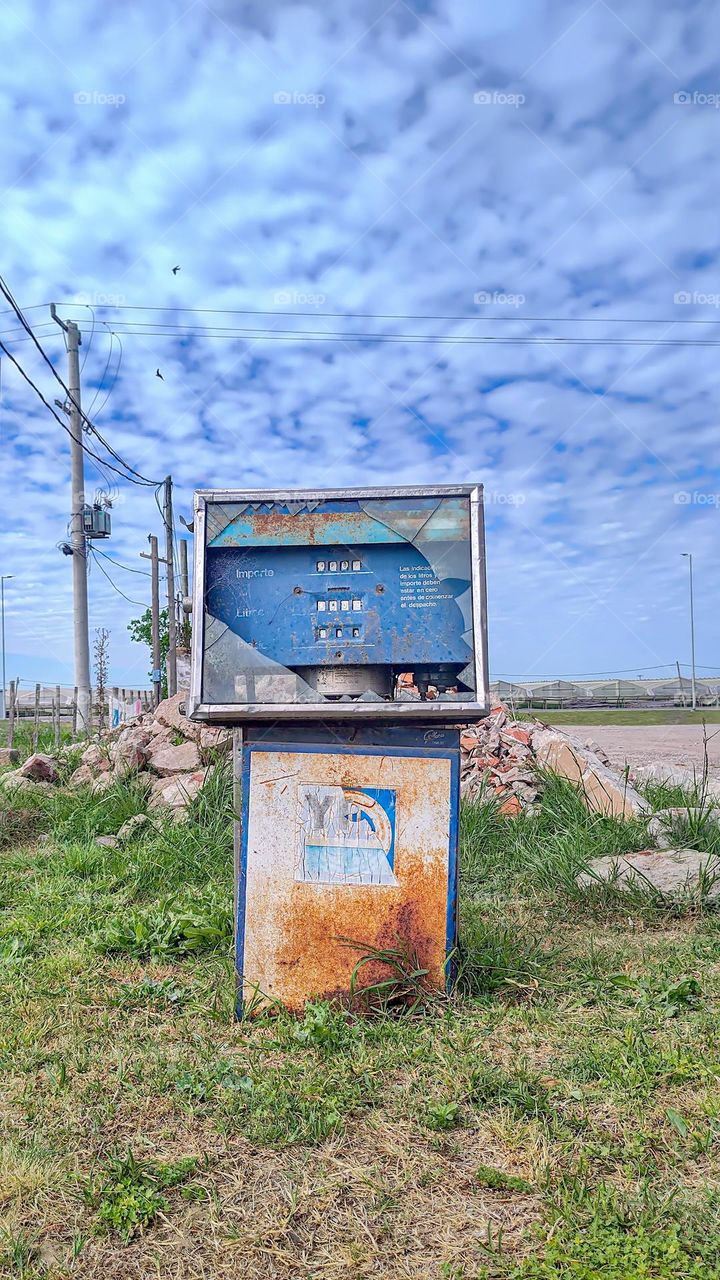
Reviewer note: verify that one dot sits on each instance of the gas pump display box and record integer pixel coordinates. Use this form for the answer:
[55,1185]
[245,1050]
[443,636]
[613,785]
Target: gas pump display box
[346,843]
[343,604]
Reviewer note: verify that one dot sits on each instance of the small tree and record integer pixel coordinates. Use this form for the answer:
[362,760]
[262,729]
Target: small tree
[141,631]
[102,637]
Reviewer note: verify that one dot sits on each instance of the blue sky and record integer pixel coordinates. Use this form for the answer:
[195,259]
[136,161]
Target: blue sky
[496,162]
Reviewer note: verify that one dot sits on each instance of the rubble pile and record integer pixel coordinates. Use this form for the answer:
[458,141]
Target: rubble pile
[497,758]
[505,757]
[172,755]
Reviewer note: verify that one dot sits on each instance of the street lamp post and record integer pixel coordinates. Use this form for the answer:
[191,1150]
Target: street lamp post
[688,556]
[3,579]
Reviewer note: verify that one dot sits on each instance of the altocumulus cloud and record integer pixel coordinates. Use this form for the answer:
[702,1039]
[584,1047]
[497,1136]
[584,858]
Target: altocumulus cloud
[405,160]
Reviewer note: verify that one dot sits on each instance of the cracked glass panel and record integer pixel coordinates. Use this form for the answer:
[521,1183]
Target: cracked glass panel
[340,599]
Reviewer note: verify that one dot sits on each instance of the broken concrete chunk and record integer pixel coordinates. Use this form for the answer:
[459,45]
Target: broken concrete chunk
[168,713]
[660,826]
[674,873]
[168,759]
[176,793]
[604,790]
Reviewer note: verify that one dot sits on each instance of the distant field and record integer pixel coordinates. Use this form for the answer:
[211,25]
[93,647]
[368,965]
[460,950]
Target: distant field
[606,715]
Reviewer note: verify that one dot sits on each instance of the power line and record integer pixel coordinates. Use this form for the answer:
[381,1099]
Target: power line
[129,568]
[330,335]
[90,426]
[111,388]
[140,604]
[375,315]
[57,418]
[104,373]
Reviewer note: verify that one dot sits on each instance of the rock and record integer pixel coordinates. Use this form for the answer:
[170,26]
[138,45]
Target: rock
[8,755]
[39,768]
[511,807]
[604,790]
[215,738]
[103,782]
[168,759]
[130,829]
[13,780]
[661,824]
[672,872]
[107,842]
[670,775]
[176,793]
[96,757]
[82,776]
[168,714]
[129,758]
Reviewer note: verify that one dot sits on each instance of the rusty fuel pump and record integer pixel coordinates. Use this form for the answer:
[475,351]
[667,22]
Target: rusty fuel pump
[343,633]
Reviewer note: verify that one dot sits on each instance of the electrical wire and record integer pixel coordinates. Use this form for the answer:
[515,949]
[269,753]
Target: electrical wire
[140,478]
[140,604]
[57,418]
[111,388]
[329,335]
[374,315]
[129,568]
[104,373]
[90,339]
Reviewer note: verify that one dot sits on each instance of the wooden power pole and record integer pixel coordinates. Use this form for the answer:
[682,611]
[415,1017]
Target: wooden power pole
[155,615]
[170,571]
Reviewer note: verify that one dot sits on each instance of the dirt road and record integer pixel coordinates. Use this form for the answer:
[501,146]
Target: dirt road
[676,744]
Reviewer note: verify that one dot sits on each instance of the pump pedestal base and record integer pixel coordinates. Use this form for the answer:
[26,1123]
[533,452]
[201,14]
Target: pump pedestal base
[346,843]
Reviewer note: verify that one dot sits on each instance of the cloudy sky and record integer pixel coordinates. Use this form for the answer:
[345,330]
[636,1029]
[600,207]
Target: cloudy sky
[458,169]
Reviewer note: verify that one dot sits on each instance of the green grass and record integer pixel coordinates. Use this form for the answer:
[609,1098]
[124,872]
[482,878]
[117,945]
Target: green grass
[626,716]
[557,1117]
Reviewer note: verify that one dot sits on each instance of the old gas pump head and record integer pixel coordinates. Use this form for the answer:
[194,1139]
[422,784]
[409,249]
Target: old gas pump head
[339,604]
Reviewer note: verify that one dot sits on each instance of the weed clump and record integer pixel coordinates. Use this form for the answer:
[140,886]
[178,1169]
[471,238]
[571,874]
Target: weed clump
[169,929]
[129,1195]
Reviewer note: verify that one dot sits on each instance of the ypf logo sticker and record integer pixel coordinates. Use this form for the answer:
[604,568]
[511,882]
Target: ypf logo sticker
[346,835]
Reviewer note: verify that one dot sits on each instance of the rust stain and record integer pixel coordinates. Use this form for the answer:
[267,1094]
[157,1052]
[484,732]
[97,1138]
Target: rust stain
[315,958]
[308,527]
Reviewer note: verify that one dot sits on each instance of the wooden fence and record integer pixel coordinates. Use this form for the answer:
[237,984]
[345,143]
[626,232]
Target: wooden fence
[52,705]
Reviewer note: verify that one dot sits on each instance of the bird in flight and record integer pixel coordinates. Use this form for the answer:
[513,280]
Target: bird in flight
[158,374]
[175,270]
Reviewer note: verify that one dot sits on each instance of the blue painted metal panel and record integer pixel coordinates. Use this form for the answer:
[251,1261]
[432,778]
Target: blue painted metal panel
[380,604]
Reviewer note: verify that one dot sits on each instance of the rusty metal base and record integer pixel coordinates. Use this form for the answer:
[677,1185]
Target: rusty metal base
[346,843]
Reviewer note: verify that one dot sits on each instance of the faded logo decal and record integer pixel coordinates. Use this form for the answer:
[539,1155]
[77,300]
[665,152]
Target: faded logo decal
[346,835]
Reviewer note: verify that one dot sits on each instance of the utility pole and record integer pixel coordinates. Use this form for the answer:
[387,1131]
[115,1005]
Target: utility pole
[170,571]
[155,614]
[3,579]
[77,531]
[688,556]
[184,575]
